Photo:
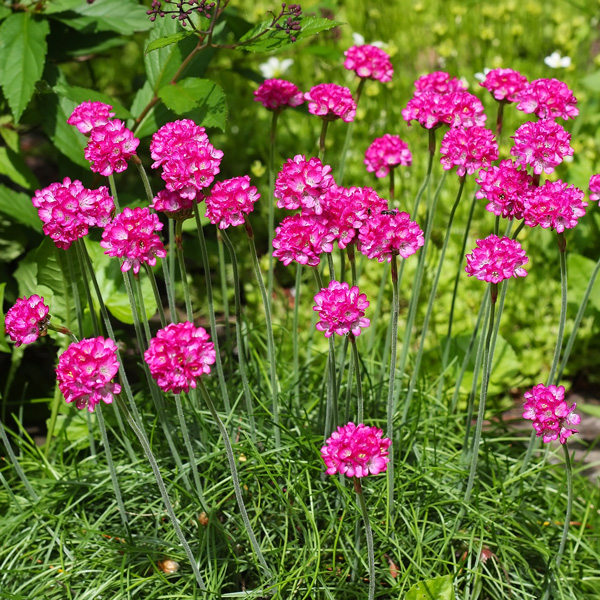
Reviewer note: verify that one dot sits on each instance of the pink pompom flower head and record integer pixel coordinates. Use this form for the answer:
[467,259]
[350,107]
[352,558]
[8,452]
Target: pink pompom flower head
[27,320]
[504,84]
[356,451]
[131,236]
[85,371]
[595,188]
[552,417]
[277,94]
[385,153]
[341,309]
[230,200]
[330,102]
[369,62]
[173,204]
[89,115]
[178,355]
[439,82]
[496,259]
[110,147]
[548,99]
[469,149]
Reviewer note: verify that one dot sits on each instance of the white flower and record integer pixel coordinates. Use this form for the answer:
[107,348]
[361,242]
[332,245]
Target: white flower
[274,67]
[556,61]
[481,76]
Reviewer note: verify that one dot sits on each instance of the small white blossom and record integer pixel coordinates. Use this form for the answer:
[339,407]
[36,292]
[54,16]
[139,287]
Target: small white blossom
[275,68]
[481,76]
[556,61]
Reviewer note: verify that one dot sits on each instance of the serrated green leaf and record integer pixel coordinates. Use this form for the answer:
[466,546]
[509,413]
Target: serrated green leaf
[22,57]
[156,117]
[167,40]
[14,167]
[440,588]
[19,208]
[79,94]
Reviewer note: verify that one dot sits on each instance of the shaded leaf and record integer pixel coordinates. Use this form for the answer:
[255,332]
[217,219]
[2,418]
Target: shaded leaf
[9,133]
[12,241]
[79,94]
[167,40]
[19,208]
[439,588]
[14,167]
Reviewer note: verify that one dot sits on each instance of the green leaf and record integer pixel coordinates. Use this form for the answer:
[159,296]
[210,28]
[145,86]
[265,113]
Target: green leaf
[156,117]
[4,12]
[19,208]
[14,167]
[580,269]
[12,240]
[9,133]
[4,347]
[590,409]
[275,39]
[439,588]
[22,57]
[167,40]
[79,94]
[591,82]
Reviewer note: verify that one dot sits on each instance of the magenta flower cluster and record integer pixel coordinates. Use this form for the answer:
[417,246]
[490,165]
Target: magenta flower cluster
[27,319]
[552,417]
[548,99]
[341,309]
[496,259]
[89,115]
[173,204]
[439,82]
[385,153]
[595,188]
[178,355]
[110,147]
[469,149]
[504,84]
[85,370]
[330,102]
[230,200]
[369,62]
[356,451]
[277,94]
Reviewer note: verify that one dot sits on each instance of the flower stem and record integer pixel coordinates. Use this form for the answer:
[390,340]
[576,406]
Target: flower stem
[183,272]
[369,535]
[140,167]
[113,191]
[157,298]
[349,134]
[356,359]
[352,261]
[392,185]
[271,199]
[224,295]
[169,272]
[499,118]
[324,127]
[563,305]
[295,327]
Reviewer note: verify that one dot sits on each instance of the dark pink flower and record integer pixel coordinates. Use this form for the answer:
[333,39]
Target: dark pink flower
[277,94]
[439,82]
[554,204]
[356,451]
[369,62]
[552,417]
[341,309]
[303,184]
[85,370]
[505,187]
[424,107]
[302,238]
[27,320]
[230,200]
[504,84]
[178,355]
[131,236]
[469,149]
[172,136]
[331,101]
[595,187]
[89,115]
[110,147]
[548,99]
[384,235]
[173,204]
[496,259]
[541,144]
[387,152]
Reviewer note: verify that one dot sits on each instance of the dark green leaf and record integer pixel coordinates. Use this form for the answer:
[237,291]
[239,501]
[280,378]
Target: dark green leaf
[79,95]
[4,12]
[167,40]
[8,133]
[22,58]
[156,117]
[14,167]
[12,240]
[439,588]
[19,208]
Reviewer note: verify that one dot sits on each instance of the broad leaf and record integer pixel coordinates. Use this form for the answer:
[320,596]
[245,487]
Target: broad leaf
[4,12]
[156,117]
[167,40]
[439,588]
[13,240]
[79,94]
[22,57]
[14,167]
[8,133]
[19,208]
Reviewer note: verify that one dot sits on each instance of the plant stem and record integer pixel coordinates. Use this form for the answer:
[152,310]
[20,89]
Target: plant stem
[271,199]
[113,191]
[324,127]
[499,118]
[295,327]
[140,167]
[157,298]
[348,139]
[563,306]
[392,185]
[369,535]
[356,359]
[183,272]
[169,272]
[224,295]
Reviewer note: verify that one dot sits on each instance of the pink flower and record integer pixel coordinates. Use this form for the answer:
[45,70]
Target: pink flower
[277,94]
[84,372]
[356,451]
[504,84]
[469,149]
[173,204]
[542,144]
[89,115]
[303,184]
[439,82]
[595,187]
[27,320]
[174,136]
[110,147]
[496,259]
[178,355]
[341,309]
[554,204]
[369,62]
[548,99]
[552,417]
[331,102]
[424,107]
[302,238]
[387,152]
[505,187]
[131,236]
[384,235]
[230,200]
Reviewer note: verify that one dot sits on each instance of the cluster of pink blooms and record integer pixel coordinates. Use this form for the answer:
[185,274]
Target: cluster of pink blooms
[110,147]
[89,115]
[189,161]
[178,355]
[468,148]
[131,236]
[331,101]
[277,94]
[541,144]
[504,84]
[552,417]
[341,309]
[85,370]
[496,259]
[230,200]
[369,62]
[439,82]
[505,187]
[27,320]
[554,204]
[385,153]
[595,188]
[356,451]
[68,209]
[548,99]
[384,235]
[173,204]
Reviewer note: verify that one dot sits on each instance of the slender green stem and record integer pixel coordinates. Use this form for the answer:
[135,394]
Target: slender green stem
[295,332]
[157,298]
[330,265]
[271,199]
[349,134]
[113,191]
[17,465]
[183,272]
[563,306]
[147,188]
[224,295]
[499,118]
[518,230]
[138,297]
[369,536]
[88,293]
[392,185]
[75,293]
[169,272]
[356,359]
[352,261]
[324,126]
